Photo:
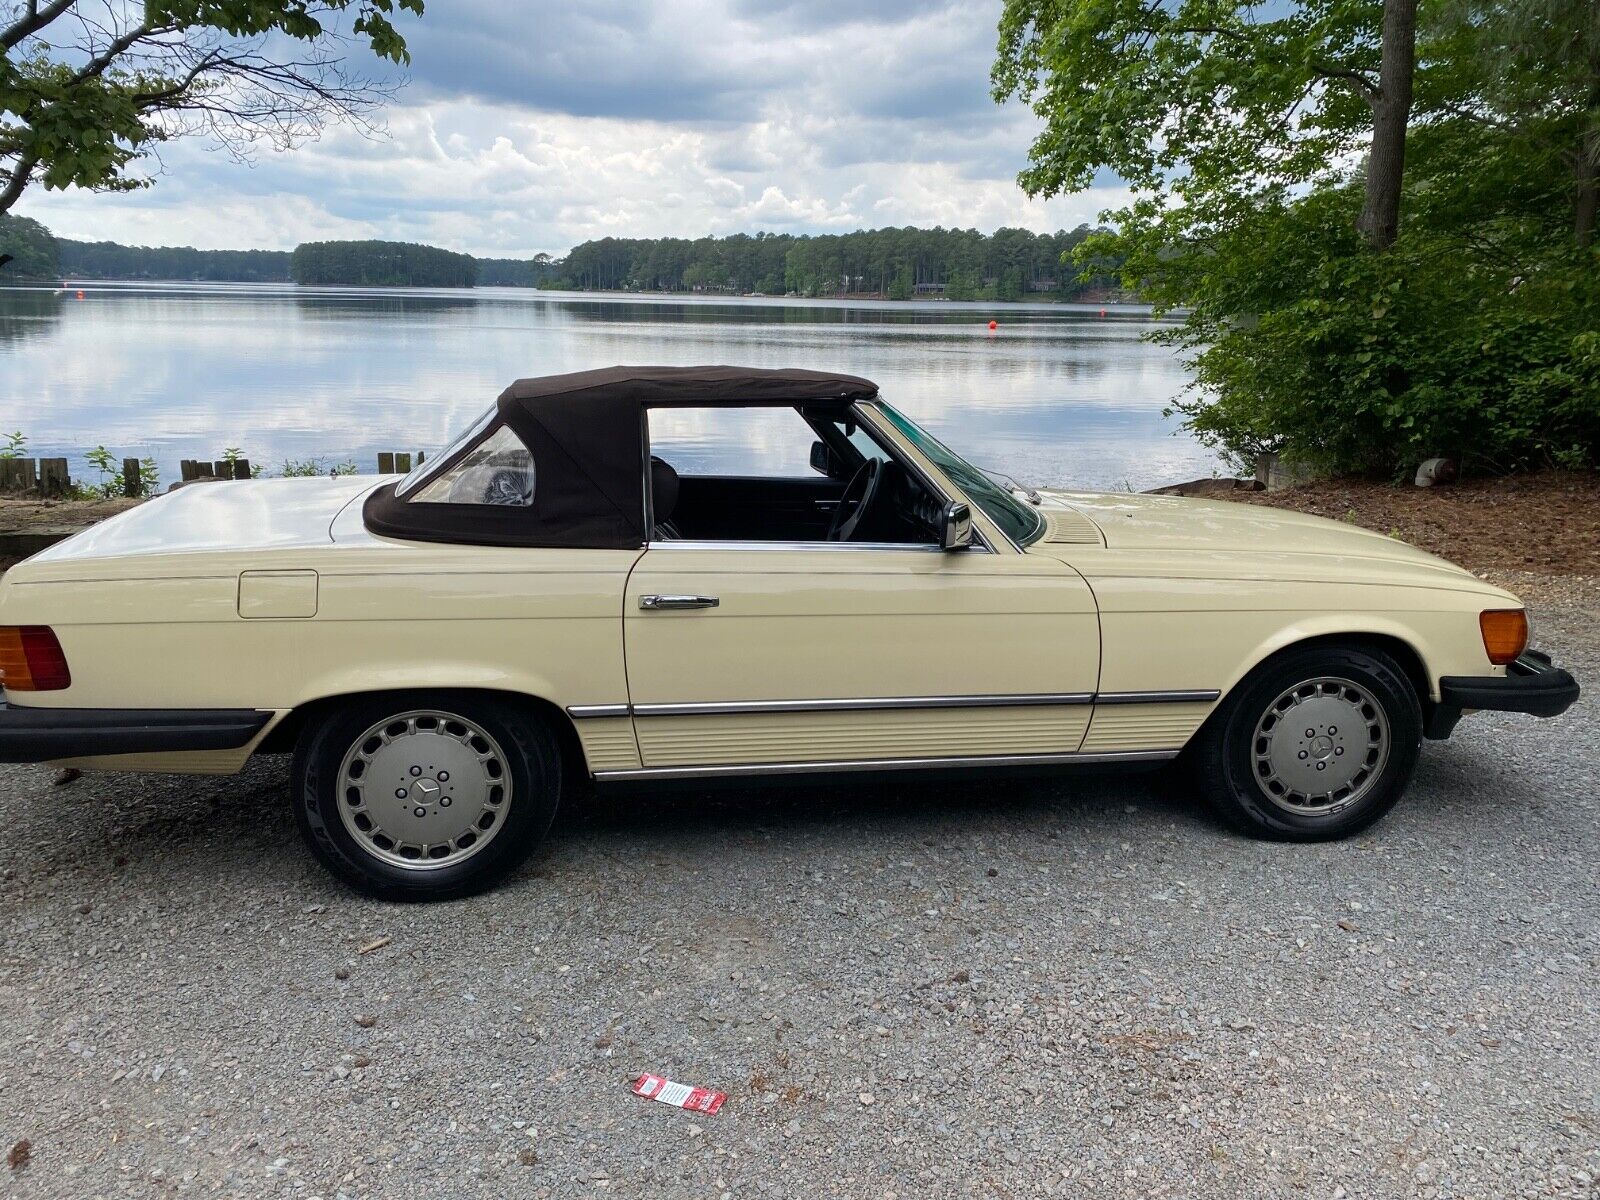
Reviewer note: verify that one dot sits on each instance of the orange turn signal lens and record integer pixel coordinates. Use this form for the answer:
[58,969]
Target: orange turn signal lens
[1505,633]
[31,659]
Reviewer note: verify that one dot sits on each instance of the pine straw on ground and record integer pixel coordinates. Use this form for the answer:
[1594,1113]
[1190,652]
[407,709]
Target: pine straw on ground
[1536,534]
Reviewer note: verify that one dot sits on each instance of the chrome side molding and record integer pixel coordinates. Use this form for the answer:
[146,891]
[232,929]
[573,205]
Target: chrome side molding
[1193,696]
[885,764]
[879,703]
[865,704]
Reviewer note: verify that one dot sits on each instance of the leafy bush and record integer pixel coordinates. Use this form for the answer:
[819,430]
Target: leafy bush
[1369,363]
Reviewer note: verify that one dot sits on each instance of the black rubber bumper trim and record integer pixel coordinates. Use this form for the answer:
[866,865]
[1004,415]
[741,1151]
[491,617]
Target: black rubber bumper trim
[31,735]
[1532,684]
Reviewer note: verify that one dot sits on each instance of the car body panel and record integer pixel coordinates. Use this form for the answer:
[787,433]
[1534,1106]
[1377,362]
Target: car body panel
[804,624]
[1115,633]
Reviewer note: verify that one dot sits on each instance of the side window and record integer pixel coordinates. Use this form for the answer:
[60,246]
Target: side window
[499,470]
[762,442]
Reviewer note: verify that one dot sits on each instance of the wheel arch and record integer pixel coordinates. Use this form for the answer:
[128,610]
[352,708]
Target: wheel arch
[285,734]
[1391,643]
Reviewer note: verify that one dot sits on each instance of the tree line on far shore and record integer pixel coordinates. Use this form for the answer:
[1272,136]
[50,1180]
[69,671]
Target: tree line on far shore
[897,263]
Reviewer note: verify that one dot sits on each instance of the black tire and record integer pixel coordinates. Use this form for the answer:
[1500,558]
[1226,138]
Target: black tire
[532,764]
[1231,761]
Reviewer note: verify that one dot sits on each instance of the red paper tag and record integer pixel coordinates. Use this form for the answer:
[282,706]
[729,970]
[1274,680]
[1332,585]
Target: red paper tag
[680,1095]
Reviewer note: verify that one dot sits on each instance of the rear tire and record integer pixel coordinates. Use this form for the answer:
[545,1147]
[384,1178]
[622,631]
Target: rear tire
[1316,744]
[425,796]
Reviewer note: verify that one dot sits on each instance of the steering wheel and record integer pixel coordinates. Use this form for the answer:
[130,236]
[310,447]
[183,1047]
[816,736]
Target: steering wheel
[858,498]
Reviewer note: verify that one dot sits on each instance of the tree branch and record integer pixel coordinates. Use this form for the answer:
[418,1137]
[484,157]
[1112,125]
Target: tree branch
[21,172]
[35,20]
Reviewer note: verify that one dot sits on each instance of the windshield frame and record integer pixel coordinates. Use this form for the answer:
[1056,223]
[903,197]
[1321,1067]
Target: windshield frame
[998,504]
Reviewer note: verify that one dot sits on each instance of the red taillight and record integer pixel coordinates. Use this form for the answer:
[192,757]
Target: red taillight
[31,659]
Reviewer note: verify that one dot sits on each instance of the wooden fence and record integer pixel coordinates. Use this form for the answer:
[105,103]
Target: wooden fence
[49,476]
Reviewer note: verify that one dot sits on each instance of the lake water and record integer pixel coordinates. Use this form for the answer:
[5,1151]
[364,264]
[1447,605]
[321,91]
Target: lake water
[1058,395]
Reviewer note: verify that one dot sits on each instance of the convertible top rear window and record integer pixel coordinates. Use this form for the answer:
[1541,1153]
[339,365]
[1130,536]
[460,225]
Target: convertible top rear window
[498,470]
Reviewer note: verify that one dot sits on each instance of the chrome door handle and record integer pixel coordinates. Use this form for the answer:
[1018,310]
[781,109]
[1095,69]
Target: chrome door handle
[675,603]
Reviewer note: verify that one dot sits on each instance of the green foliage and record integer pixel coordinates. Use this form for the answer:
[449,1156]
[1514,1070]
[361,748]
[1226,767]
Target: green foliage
[109,472]
[1368,363]
[34,252]
[889,262]
[306,467]
[381,264]
[13,445]
[1475,334]
[83,98]
[108,260]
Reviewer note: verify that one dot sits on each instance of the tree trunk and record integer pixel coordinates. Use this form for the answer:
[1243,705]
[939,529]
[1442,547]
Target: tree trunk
[1588,198]
[1391,111]
[1586,202]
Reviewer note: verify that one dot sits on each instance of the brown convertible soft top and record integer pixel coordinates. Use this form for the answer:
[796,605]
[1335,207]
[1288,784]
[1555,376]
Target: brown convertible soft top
[587,435]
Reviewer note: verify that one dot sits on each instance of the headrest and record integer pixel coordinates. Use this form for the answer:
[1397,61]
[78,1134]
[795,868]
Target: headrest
[663,489]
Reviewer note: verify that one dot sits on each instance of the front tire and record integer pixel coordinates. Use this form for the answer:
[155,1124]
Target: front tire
[1317,744]
[426,796]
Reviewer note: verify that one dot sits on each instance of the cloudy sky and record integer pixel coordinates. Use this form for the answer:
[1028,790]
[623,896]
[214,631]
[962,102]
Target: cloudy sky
[530,125]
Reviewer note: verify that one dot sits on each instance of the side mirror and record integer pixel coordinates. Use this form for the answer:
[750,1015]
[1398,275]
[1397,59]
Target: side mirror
[955,527]
[823,460]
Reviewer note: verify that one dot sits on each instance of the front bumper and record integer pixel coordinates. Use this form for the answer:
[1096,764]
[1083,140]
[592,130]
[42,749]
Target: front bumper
[1532,684]
[32,735]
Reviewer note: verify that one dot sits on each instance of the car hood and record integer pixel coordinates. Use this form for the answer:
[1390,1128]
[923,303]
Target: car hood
[1130,521]
[234,517]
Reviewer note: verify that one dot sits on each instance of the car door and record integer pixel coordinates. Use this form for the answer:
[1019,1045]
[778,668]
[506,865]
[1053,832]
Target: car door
[751,655]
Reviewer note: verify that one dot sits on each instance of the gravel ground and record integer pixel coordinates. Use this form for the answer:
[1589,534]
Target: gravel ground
[1030,989]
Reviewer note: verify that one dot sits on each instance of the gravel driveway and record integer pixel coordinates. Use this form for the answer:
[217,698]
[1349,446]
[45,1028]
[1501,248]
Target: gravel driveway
[1015,990]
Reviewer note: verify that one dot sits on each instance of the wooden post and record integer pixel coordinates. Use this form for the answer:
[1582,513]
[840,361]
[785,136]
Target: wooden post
[8,474]
[53,477]
[422,457]
[241,468]
[386,462]
[132,485]
[27,473]
[402,463]
[189,470]
[222,469]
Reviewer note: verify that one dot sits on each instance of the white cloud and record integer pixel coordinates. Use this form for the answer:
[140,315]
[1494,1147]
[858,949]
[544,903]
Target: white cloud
[715,116]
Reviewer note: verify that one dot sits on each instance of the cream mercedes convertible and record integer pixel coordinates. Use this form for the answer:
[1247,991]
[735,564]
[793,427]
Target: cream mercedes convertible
[678,573]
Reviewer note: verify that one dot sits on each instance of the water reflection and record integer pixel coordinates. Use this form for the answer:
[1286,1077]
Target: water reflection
[1058,395]
[25,314]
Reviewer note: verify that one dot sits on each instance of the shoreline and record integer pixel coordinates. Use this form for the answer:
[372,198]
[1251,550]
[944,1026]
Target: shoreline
[69,284]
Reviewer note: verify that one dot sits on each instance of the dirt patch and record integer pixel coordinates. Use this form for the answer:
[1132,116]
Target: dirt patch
[28,522]
[1547,522]
[16,512]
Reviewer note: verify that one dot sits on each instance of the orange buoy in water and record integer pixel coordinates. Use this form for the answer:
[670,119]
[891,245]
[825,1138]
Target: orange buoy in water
[80,293]
[993,325]
[1102,312]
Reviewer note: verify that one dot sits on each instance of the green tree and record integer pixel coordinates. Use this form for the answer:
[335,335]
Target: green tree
[380,264]
[27,250]
[87,90]
[1377,217]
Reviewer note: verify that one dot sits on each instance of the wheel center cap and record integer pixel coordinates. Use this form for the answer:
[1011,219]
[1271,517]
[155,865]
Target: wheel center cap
[1321,748]
[423,791]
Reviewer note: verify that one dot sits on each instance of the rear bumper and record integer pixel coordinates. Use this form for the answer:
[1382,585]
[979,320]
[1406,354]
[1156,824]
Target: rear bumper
[32,735]
[1532,684]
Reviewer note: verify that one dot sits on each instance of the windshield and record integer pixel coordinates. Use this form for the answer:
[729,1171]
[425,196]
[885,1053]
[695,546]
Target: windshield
[1018,520]
[425,471]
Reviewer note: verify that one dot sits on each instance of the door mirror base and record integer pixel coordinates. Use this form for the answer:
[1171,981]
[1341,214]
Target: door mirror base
[955,531]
